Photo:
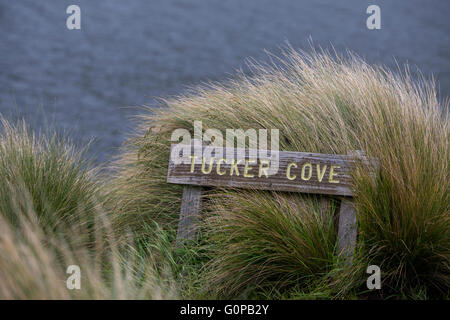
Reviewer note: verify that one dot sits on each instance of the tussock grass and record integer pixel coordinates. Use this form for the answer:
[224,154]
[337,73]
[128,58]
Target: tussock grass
[324,104]
[52,216]
[46,175]
[265,241]
[33,265]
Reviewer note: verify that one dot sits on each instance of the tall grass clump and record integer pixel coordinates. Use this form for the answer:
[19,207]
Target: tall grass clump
[47,175]
[52,216]
[320,103]
[34,263]
[267,241]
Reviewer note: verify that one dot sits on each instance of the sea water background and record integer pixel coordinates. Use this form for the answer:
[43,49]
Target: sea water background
[90,82]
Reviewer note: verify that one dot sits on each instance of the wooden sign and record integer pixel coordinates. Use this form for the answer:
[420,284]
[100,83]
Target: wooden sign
[265,170]
[290,171]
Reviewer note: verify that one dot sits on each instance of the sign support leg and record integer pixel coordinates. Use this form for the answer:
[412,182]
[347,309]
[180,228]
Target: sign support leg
[189,212]
[347,230]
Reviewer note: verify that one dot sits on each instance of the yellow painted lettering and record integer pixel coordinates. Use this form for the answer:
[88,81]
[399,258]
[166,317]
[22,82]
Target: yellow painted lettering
[288,171]
[333,174]
[211,160]
[304,176]
[247,168]
[234,167]
[263,166]
[219,162]
[320,174]
[192,162]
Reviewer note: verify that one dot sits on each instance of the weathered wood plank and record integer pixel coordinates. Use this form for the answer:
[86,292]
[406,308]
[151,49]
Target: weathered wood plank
[189,213]
[347,227]
[347,230]
[240,168]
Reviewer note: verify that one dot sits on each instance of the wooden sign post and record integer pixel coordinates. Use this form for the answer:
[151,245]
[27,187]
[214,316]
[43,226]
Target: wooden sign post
[266,170]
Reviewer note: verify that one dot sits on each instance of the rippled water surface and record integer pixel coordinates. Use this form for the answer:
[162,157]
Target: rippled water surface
[90,81]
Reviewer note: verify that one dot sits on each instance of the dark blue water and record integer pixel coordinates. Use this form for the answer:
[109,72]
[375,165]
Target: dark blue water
[127,53]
